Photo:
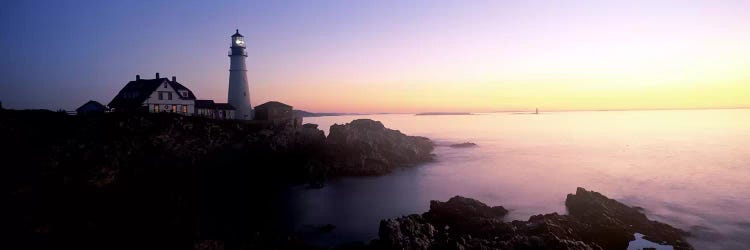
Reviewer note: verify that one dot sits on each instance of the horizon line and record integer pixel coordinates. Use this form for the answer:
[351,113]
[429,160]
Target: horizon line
[521,110]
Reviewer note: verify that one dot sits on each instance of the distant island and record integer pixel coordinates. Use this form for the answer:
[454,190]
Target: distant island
[302,113]
[445,113]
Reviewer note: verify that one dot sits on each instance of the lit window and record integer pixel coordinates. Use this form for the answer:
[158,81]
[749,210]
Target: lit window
[184,108]
[156,108]
[174,108]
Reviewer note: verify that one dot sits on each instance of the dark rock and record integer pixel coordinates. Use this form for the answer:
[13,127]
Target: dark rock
[463,214]
[168,181]
[366,147]
[595,222]
[327,228]
[310,125]
[208,245]
[463,145]
[614,223]
[410,232]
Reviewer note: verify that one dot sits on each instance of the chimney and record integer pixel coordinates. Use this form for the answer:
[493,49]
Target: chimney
[174,78]
[157,75]
[137,77]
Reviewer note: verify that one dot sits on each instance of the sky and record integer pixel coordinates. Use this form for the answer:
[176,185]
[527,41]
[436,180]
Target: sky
[386,56]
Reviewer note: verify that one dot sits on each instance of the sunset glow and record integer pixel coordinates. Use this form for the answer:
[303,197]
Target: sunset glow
[390,56]
[375,124]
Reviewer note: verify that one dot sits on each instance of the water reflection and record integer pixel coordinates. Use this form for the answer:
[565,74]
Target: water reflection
[687,168]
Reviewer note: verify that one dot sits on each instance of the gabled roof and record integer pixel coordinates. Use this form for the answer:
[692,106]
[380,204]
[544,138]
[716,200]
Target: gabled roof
[91,105]
[272,104]
[135,92]
[177,86]
[204,104]
[210,104]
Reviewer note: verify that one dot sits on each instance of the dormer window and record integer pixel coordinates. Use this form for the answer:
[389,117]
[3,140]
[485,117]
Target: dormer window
[165,85]
[184,93]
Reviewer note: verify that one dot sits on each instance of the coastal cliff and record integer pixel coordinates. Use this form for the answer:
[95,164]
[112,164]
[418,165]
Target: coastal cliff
[118,181]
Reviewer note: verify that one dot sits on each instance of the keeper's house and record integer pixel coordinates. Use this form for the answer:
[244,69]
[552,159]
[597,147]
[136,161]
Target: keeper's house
[154,95]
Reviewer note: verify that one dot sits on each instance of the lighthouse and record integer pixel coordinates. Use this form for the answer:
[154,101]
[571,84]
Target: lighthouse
[239,92]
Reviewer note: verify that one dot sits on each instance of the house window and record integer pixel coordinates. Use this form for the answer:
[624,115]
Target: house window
[156,108]
[161,95]
[174,108]
[169,96]
[165,85]
[184,93]
[184,109]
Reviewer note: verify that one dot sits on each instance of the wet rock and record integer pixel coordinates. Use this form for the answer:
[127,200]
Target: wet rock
[464,214]
[595,222]
[615,223]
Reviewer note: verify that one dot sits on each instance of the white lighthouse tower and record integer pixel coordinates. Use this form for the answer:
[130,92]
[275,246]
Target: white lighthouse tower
[239,93]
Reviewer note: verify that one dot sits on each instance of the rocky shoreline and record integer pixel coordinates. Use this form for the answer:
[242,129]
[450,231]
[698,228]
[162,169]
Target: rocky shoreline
[593,222]
[127,181]
[171,182]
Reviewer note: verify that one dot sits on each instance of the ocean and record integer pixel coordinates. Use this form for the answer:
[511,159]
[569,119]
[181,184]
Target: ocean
[687,168]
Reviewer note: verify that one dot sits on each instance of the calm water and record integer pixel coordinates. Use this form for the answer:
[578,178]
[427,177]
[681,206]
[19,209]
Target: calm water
[688,168]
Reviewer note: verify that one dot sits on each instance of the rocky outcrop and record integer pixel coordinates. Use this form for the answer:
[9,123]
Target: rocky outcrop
[463,145]
[614,223]
[366,147]
[168,178]
[594,222]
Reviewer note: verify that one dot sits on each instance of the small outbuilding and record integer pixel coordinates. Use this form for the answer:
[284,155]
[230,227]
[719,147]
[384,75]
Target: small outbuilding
[225,111]
[277,113]
[210,109]
[90,108]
